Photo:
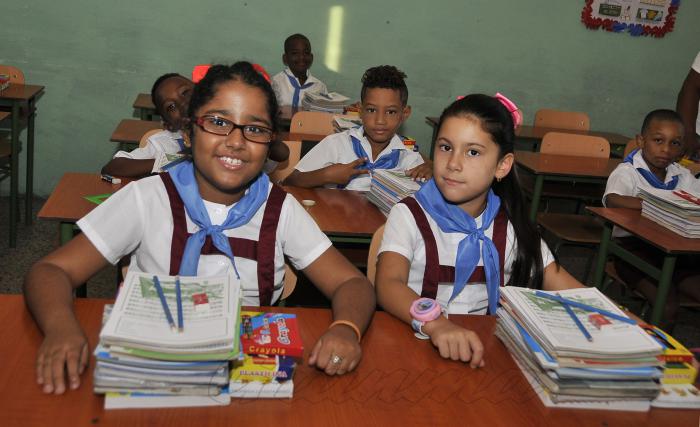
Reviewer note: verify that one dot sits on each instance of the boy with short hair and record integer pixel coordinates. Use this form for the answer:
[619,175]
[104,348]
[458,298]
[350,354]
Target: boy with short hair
[654,165]
[295,80]
[346,159]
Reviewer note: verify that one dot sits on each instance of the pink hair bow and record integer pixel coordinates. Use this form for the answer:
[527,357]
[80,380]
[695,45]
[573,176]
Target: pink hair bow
[512,109]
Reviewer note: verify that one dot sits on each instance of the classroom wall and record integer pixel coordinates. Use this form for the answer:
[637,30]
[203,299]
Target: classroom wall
[94,57]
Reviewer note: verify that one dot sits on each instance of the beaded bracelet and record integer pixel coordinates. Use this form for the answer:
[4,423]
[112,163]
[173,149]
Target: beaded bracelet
[351,325]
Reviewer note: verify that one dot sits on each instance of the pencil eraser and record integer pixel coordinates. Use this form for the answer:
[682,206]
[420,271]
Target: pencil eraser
[308,203]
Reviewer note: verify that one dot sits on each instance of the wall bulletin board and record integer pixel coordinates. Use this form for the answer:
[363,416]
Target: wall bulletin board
[638,17]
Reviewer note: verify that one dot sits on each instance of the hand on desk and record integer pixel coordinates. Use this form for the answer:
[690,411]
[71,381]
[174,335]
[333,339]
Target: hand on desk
[454,342]
[60,353]
[337,352]
[342,173]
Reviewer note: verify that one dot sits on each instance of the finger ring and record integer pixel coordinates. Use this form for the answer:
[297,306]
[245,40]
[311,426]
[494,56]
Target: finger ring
[336,360]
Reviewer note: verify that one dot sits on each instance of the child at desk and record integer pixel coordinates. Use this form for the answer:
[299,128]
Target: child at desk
[654,165]
[347,158]
[465,232]
[291,83]
[170,94]
[218,198]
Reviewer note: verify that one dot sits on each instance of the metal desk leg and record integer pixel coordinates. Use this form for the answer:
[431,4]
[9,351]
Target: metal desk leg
[29,188]
[536,194]
[602,255]
[664,286]
[14,174]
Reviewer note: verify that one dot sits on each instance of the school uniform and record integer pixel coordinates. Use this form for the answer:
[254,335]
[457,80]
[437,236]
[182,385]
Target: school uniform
[161,142]
[338,148]
[626,180]
[147,220]
[285,85]
[404,233]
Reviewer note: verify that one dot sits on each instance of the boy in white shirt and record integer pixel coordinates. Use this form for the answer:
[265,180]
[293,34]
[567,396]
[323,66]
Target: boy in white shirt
[654,165]
[291,83]
[346,159]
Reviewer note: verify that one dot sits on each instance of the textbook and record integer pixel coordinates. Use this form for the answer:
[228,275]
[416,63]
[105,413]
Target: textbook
[331,102]
[165,161]
[210,307]
[677,210]
[146,400]
[388,187]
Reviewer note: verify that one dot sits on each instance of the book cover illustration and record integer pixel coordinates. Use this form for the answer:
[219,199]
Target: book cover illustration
[270,334]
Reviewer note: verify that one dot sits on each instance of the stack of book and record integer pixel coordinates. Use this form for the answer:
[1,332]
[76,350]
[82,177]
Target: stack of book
[345,122]
[331,102]
[4,81]
[577,349]
[676,210]
[388,187]
[147,359]
[270,346]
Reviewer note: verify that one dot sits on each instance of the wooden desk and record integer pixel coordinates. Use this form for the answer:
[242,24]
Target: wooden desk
[15,95]
[4,115]
[284,117]
[400,381]
[144,105]
[670,243]
[535,135]
[553,167]
[341,212]
[129,131]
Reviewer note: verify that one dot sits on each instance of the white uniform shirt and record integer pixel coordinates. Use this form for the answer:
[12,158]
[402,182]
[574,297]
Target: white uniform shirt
[138,219]
[337,148]
[284,91]
[696,67]
[161,142]
[625,180]
[401,235]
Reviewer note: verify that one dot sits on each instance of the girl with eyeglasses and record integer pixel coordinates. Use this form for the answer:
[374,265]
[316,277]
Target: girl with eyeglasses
[204,217]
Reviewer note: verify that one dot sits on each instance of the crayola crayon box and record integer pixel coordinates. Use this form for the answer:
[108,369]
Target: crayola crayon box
[270,334]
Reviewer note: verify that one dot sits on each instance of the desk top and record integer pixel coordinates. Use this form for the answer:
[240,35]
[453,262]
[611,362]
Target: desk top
[66,202]
[143,101]
[4,115]
[131,130]
[21,92]
[537,132]
[388,387]
[648,230]
[341,212]
[554,164]
[309,137]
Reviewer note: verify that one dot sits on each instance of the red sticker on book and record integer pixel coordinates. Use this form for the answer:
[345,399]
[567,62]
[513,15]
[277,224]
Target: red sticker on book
[200,299]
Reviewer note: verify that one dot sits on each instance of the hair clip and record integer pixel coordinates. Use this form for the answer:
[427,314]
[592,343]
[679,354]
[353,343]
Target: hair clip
[512,109]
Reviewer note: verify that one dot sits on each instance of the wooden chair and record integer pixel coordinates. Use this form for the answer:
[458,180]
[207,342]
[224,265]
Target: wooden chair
[571,120]
[312,122]
[372,255]
[144,139]
[631,145]
[574,229]
[285,168]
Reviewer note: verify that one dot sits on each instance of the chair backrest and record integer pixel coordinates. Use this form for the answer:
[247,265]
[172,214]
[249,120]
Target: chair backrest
[144,138]
[372,254]
[572,120]
[16,75]
[313,122]
[285,168]
[571,144]
[290,281]
[631,145]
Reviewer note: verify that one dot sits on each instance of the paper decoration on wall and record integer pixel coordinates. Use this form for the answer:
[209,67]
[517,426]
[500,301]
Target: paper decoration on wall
[638,17]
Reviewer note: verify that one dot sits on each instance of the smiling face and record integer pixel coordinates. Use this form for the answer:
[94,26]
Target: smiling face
[226,165]
[298,57]
[172,98]
[382,114]
[467,160]
[662,144]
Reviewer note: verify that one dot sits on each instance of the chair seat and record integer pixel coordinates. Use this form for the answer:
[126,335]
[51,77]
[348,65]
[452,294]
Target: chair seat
[582,229]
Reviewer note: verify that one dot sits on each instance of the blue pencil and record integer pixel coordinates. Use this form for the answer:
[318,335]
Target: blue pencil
[578,323]
[178,295]
[163,302]
[586,307]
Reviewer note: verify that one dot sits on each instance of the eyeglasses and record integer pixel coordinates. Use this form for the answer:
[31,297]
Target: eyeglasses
[224,127]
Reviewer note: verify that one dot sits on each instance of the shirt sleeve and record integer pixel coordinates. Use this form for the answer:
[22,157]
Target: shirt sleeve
[399,232]
[412,159]
[148,152]
[696,63]
[116,226]
[322,155]
[302,240]
[621,182]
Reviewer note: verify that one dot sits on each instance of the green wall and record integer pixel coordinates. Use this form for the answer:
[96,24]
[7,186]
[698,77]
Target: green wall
[94,57]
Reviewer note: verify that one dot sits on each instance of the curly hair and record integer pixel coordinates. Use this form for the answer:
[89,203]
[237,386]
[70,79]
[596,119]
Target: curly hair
[385,77]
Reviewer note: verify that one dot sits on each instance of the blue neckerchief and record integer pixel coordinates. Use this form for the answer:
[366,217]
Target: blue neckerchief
[652,179]
[297,88]
[181,143]
[387,161]
[240,214]
[453,219]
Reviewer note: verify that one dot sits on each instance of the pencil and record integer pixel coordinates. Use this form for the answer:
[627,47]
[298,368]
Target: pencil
[178,295]
[578,323]
[163,302]
[586,307]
